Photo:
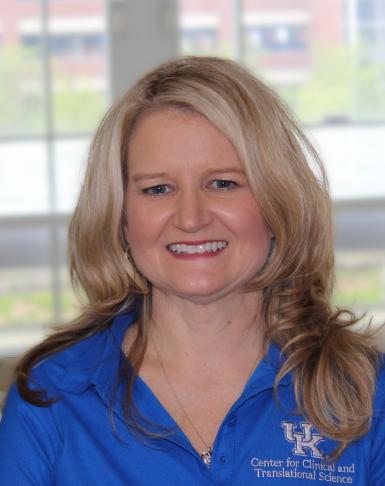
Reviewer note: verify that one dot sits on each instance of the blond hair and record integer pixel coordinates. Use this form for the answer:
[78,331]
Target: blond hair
[333,368]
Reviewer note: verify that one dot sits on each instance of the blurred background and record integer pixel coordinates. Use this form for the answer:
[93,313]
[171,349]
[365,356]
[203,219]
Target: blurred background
[62,62]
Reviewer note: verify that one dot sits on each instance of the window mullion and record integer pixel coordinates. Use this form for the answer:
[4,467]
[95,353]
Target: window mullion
[50,139]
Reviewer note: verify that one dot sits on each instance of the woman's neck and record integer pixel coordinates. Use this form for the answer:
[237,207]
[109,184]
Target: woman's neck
[211,335]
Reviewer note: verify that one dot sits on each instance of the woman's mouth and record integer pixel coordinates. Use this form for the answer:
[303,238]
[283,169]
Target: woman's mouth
[189,248]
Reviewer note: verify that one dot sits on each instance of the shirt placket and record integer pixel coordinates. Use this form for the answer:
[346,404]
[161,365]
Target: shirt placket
[223,458]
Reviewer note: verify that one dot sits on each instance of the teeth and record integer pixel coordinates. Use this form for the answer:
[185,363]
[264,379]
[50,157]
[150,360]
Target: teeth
[191,249]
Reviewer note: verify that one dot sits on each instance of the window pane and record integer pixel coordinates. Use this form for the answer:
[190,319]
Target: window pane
[354,158]
[21,69]
[23,178]
[361,283]
[70,156]
[77,40]
[26,295]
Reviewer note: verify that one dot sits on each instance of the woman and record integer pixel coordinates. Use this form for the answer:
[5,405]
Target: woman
[208,351]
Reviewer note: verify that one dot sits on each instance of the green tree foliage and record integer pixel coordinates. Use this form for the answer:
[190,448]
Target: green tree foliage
[22,98]
[77,110]
[344,85]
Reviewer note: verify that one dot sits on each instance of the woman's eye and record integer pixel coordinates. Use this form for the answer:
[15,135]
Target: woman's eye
[157,190]
[222,184]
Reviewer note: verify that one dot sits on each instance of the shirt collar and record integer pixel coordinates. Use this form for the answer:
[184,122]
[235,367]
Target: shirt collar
[264,375]
[96,360]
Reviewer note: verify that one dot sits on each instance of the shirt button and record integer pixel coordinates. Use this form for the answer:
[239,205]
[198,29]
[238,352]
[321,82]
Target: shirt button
[223,459]
[232,420]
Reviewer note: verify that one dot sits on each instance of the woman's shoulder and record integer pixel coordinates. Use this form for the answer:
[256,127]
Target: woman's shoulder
[92,359]
[52,371]
[379,397]
[375,439]
[74,367]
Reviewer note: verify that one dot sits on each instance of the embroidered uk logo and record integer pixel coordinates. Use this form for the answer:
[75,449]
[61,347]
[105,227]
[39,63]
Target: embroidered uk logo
[304,441]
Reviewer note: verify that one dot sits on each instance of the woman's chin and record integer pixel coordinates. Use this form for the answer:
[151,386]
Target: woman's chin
[199,294]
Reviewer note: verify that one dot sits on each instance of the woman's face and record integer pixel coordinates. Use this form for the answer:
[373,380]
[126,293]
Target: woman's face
[194,227]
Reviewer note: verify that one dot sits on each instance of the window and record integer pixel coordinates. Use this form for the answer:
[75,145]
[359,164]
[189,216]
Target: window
[329,66]
[54,92]
[281,38]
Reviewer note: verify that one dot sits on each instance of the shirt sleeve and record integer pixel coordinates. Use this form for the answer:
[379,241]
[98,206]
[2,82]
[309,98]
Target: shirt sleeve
[378,435]
[29,443]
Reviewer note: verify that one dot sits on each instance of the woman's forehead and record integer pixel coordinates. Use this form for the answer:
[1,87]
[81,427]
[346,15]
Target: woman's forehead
[168,136]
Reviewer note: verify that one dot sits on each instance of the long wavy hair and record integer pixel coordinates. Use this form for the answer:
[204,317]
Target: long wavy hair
[333,368]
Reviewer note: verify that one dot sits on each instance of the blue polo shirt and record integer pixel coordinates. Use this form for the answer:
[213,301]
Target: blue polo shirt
[78,441]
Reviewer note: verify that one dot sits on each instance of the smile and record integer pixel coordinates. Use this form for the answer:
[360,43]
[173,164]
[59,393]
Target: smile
[188,249]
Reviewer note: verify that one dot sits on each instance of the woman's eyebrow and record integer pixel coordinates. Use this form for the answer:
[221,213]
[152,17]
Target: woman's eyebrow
[224,170]
[155,175]
[138,177]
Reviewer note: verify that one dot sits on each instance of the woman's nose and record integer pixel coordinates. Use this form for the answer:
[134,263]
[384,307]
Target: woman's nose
[192,211]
